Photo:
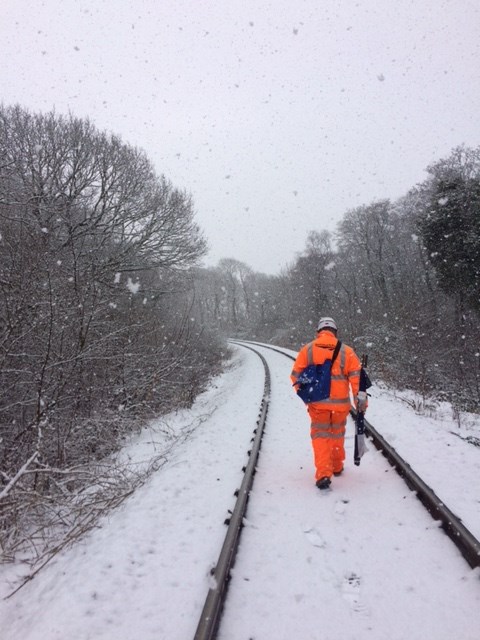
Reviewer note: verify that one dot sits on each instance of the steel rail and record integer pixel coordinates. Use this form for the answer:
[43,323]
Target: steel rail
[212,610]
[452,525]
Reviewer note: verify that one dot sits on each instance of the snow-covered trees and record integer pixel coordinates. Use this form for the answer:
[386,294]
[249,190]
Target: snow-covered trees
[95,294]
[450,224]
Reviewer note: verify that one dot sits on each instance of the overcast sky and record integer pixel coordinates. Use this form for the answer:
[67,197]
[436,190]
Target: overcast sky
[277,116]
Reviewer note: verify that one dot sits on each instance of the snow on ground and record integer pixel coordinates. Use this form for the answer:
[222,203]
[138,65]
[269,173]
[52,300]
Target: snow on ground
[145,572]
[360,562]
[436,447]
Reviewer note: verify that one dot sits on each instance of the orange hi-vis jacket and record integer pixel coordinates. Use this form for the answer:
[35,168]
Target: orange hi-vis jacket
[345,370]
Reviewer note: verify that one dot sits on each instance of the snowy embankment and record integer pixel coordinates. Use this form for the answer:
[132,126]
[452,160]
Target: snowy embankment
[349,564]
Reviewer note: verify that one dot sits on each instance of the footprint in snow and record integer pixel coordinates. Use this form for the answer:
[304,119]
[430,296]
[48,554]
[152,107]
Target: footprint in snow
[314,537]
[340,507]
[351,588]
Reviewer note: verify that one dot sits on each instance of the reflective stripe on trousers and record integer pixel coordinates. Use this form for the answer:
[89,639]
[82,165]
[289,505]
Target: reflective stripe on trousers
[327,433]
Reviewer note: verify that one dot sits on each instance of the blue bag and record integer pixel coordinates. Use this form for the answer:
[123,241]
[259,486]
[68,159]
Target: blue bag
[314,381]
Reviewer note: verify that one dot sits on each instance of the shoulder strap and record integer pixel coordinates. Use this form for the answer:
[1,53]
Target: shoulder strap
[336,350]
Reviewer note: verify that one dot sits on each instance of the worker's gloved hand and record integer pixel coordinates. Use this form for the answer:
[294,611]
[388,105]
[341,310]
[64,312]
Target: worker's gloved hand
[362,401]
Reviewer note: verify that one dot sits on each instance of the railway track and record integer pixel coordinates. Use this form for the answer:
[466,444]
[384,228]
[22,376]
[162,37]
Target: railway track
[212,610]
[209,622]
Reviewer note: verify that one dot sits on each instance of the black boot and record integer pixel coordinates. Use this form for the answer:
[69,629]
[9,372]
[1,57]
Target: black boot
[323,483]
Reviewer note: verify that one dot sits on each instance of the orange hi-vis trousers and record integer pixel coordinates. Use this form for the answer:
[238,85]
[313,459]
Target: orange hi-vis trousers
[328,438]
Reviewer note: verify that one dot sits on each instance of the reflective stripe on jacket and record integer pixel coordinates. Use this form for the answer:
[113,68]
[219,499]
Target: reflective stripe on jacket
[345,370]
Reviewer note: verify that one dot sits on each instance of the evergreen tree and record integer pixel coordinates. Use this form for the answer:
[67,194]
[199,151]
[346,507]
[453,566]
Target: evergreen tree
[450,224]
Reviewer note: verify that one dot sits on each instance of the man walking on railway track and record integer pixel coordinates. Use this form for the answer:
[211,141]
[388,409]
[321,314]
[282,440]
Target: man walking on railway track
[328,407]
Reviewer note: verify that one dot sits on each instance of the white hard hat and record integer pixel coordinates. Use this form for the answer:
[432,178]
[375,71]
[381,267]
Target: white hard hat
[326,323]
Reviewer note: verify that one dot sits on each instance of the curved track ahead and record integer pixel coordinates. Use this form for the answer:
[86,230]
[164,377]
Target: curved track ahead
[466,542]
